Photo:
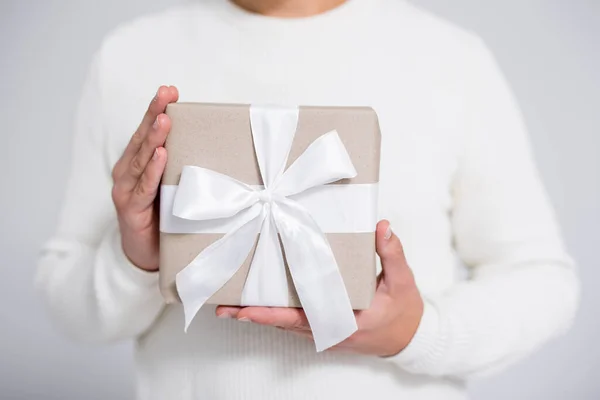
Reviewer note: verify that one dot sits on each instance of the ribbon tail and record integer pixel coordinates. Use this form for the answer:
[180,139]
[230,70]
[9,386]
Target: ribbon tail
[315,274]
[216,264]
[266,284]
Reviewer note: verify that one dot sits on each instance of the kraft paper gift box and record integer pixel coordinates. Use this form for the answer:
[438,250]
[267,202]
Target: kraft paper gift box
[222,138]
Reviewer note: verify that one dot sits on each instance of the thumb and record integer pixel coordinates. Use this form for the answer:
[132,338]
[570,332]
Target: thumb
[390,252]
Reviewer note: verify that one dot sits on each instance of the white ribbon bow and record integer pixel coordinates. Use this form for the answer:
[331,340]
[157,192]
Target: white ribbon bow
[204,194]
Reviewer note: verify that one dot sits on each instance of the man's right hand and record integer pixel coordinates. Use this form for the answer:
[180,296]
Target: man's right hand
[136,178]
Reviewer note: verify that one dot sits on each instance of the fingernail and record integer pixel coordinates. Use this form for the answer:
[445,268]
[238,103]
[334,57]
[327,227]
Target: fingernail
[224,315]
[156,124]
[155,155]
[388,232]
[244,319]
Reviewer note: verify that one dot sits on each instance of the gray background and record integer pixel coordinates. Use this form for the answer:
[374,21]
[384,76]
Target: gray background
[549,49]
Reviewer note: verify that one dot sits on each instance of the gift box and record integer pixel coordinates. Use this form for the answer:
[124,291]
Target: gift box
[271,206]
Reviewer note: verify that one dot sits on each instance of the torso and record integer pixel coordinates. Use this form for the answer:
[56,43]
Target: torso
[394,66]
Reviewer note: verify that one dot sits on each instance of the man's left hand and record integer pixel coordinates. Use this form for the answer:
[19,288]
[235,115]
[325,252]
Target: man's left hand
[384,329]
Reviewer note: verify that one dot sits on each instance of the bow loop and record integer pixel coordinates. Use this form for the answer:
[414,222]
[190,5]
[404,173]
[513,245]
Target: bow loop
[204,194]
[324,161]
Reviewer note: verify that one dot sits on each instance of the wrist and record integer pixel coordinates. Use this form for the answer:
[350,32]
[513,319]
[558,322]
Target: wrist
[406,328]
[111,249]
[139,258]
[427,343]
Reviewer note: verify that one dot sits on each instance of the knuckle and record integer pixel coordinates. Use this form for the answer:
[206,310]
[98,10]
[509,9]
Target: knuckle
[297,323]
[116,171]
[127,220]
[157,137]
[408,278]
[136,166]
[397,251]
[137,137]
[145,190]
[154,138]
[118,196]
[400,247]
[141,190]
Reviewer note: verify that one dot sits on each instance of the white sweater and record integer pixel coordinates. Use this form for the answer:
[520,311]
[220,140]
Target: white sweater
[458,184]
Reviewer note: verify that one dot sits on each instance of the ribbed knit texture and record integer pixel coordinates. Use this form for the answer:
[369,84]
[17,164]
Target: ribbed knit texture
[458,182]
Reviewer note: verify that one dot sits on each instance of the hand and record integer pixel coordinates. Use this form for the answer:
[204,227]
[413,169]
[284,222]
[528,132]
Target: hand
[136,177]
[384,329]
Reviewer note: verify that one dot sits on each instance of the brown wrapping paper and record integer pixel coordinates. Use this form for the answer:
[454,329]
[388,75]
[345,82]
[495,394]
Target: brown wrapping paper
[218,137]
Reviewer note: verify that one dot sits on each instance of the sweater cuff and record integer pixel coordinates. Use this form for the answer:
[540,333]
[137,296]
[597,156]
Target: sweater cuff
[112,248]
[426,346]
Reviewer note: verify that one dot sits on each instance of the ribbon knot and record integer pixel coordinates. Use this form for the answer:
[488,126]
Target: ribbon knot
[265,196]
[204,194]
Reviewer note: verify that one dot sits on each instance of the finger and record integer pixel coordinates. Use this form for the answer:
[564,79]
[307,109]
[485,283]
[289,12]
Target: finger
[155,139]
[352,343]
[174,93]
[365,318]
[227,311]
[164,96]
[147,188]
[300,332]
[379,278]
[158,105]
[343,349]
[389,249]
[289,318]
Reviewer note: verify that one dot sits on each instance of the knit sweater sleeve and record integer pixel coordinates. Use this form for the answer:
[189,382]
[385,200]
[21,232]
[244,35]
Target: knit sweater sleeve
[91,289]
[523,288]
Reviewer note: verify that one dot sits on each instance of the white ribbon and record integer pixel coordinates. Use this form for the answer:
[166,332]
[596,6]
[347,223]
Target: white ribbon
[347,208]
[204,195]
